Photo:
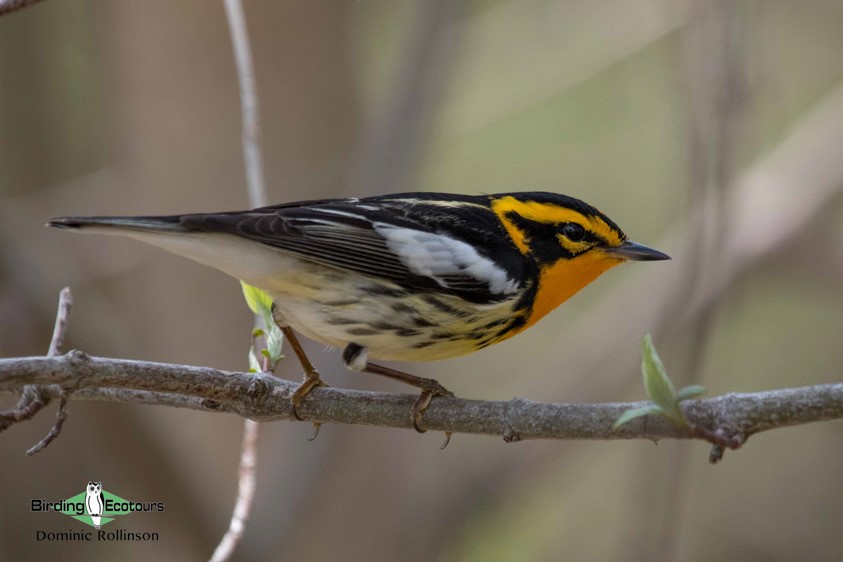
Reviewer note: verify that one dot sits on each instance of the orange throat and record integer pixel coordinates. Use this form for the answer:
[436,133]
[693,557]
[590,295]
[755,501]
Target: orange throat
[560,281]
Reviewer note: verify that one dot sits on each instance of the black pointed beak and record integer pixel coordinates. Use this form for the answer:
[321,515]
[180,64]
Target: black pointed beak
[633,251]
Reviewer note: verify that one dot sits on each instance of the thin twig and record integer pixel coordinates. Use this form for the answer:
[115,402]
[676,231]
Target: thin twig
[727,420]
[248,102]
[61,415]
[257,198]
[60,327]
[33,397]
[56,348]
[30,403]
[245,494]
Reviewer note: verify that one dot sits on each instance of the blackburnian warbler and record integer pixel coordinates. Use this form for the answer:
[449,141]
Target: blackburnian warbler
[405,277]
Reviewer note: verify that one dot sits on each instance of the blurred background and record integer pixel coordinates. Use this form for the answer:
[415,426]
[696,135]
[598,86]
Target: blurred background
[712,130]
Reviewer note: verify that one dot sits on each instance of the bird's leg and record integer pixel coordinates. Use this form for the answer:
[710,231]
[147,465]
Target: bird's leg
[429,389]
[311,375]
[354,357]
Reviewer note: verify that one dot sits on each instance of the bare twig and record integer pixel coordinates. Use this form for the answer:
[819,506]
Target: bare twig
[33,397]
[245,494]
[257,198]
[32,400]
[60,327]
[7,6]
[56,348]
[248,102]
[61,415]
[727,420]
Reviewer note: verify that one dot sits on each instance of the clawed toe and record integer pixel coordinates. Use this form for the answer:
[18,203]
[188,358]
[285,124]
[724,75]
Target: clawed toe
[427,394]
[311,381]
[429,389]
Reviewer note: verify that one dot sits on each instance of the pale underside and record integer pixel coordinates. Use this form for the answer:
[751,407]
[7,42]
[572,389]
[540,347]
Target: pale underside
[336,307]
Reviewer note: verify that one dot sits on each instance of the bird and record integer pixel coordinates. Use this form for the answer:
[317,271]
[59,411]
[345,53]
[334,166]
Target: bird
[412,277]
[94,502]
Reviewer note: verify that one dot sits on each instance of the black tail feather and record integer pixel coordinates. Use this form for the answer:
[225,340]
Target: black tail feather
[155,224]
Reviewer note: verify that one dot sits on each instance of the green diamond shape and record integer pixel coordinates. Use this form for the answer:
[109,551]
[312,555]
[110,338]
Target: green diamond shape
[104,518]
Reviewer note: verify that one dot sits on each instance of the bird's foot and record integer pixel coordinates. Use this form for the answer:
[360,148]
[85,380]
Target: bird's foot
[430,389]
[311,381]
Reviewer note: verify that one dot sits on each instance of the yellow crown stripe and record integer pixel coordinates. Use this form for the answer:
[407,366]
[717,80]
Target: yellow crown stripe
[501,208]
[548,213]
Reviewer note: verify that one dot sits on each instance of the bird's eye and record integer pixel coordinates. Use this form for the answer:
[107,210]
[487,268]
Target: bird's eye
[573,232]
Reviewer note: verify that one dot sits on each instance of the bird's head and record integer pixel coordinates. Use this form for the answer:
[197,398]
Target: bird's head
[570,241]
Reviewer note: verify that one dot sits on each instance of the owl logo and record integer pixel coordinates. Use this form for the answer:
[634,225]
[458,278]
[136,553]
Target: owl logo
[94,502]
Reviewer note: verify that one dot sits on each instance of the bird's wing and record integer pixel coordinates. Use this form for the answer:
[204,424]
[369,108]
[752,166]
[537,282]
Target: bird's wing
[372,241]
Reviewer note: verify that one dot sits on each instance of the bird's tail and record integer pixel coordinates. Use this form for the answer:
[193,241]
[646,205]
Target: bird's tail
[235,255]
[163,225]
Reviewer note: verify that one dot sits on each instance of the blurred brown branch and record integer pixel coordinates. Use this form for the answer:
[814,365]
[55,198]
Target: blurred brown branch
[393,141]
[726,421]
[7,6]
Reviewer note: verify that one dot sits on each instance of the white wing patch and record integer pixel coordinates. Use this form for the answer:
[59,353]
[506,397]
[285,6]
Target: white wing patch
[443,259]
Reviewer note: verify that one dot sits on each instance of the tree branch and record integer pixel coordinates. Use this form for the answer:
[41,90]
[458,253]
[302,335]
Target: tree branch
[726,421]
[34,398]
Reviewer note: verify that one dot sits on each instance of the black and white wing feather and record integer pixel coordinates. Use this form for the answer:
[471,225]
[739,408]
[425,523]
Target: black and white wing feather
[371,240]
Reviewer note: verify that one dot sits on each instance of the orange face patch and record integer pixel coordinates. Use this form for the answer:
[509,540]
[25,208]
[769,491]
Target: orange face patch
[562,280]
